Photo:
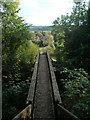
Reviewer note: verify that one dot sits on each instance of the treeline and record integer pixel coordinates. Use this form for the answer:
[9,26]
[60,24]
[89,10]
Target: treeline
[18,57]
[72,40]
[40,28]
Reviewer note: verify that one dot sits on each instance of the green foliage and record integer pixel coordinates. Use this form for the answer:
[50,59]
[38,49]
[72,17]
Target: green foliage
[41,28]
[37,42]
[76,85]
[26,56]
[18,57]
[72,38]
[14,33]
[43,38]
[14,98]
[14,30]
[17,52]
[27,52]
[45,43]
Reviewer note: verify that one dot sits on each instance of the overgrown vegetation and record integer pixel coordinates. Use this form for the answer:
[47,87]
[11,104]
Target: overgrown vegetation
[76,91]
[14,99]
[69,46]
[45,40]
[72,41]
[18,57]
[72,48]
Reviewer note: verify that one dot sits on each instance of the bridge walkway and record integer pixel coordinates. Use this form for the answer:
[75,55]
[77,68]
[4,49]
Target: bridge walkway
[43,106]
[43,100]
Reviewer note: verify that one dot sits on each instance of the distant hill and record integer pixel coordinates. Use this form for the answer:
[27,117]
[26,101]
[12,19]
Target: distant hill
[40,28]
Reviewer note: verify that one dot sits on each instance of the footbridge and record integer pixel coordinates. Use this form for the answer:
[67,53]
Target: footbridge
[44,100]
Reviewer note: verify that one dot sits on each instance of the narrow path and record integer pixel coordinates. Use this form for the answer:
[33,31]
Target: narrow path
[43,106]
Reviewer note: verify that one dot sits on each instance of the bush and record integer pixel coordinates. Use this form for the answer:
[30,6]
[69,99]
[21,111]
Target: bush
[14,98]
[76,92]
[27,52]
[37,42]
[45,43]
[23,62]
[16,90]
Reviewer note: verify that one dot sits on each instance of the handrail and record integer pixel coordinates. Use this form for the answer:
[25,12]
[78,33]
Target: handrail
[24,114]
[27,112]
[57,97]
[32,88]
[61,112]
[64,114]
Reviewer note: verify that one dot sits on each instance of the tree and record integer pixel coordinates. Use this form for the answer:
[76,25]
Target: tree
[72,48]
[72,38]
[14,33]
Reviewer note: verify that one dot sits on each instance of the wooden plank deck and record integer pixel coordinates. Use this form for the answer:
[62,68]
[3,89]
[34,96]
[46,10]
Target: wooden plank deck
[43,105]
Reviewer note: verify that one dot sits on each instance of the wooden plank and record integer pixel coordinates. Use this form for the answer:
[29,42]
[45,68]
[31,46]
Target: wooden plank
[43,103]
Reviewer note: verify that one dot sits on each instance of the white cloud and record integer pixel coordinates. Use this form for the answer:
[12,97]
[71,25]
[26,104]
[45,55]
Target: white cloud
[29,3]
[40,12]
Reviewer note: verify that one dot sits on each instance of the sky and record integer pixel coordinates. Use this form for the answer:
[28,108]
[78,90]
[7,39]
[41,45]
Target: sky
[44,12]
